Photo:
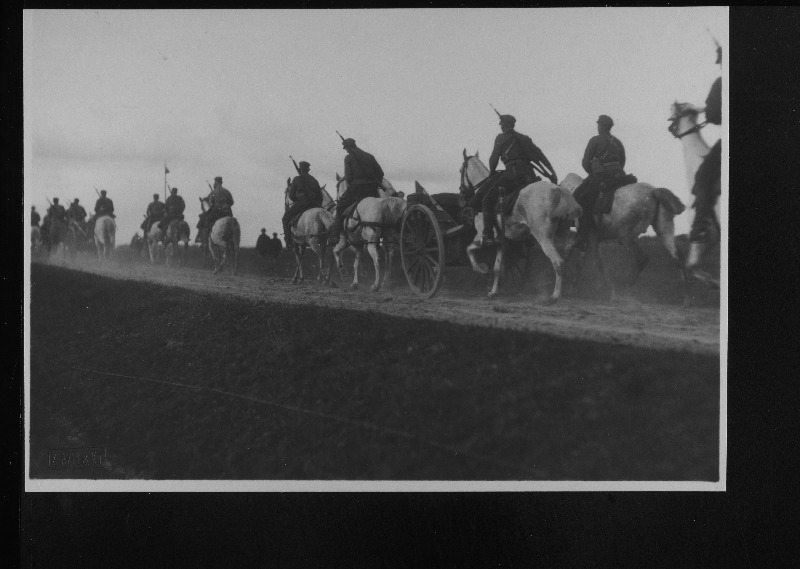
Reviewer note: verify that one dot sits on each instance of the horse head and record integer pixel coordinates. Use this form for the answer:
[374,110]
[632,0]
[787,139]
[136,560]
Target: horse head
[472,173]
[683,119]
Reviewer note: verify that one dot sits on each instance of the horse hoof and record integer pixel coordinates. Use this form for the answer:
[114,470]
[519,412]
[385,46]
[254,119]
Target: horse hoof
[374,288]
[483,268]
[354,286]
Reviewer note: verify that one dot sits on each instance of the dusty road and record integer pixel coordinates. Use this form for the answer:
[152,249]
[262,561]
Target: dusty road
[625,322]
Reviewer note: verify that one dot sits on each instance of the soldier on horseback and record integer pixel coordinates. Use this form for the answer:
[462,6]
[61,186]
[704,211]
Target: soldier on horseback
[604,161]
[306,194]
[174,207]
[103,206]
[363,175]
[517,151]
[707,188]
[220,201]
[155,212]
[76,213]
[35,218]
[56,212]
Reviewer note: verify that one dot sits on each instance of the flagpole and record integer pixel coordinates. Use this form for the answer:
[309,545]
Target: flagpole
[165,181]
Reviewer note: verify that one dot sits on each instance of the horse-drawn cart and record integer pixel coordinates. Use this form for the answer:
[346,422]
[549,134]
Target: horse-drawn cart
[431,238]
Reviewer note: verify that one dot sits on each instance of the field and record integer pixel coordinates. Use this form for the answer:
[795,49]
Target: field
[183,375]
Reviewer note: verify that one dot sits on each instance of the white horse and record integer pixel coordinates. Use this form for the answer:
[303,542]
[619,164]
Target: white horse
[105,229]
[155,242]
[372,223]
[225,235]
[538,211]
[635,208]
[684,127]
[312,231]
[176,241]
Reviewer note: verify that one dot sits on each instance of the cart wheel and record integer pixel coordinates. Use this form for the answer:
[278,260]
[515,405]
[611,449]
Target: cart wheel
[422,250]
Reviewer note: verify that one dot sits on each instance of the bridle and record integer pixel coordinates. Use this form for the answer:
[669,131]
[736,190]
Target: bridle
[674,123]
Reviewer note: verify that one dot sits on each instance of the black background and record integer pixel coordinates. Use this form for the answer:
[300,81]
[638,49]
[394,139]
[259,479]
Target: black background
[748,525]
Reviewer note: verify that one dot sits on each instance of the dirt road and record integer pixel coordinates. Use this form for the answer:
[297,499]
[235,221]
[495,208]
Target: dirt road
[625,322]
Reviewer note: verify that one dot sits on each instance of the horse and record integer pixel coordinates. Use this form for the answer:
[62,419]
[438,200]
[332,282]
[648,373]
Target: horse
[155,242]
[36,240]
[372,223]
[105,229]
[225,235]
[635,208]
[177,233]
[311,231]
[542,210]
[57,236]
[684,126]
[78,238]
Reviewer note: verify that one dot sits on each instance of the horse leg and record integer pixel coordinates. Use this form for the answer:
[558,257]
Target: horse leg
[498,268]
[640,258]
[338,251]
[389,247]
[549,249]
[298,270]
[319,251]
[375,253]
[474,246]
[666,231]
[594,245]
[356,263]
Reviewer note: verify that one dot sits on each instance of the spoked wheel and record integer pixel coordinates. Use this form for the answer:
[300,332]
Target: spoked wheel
[422,250]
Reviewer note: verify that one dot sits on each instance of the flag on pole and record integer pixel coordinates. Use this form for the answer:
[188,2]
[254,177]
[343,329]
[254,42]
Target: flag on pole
[166,170]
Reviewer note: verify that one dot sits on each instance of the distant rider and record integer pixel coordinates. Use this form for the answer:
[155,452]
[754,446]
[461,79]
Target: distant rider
[174,208]
[155,212]
[103,206]
[604,161]
[364,175]
[707,189]
[220,201]
[306,194]
[56,212]
[35,218]
[76,212]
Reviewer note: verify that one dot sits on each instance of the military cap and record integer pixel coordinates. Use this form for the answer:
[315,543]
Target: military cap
[507,119]
[218,179]
[102,192]
[55,200]
[605,120]
[348,142]
[76,200]
[173,190]
[304,165]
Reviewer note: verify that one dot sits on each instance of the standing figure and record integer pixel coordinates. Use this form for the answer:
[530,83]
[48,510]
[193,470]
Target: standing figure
[363,175]
[263,243]
[707,189]
[306,194]
[35,218]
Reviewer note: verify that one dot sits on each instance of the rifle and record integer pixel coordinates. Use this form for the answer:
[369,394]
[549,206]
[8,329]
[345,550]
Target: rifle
[713,38]
[296,167]
[495,110]
[209,186]
[97,192]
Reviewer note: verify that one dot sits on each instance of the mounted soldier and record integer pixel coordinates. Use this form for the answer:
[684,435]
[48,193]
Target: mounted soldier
[103,206]
[174,207]
[35,217]
[56,212]
[220,202]
[155,212]
[363,175]
[76,212]
[604,161]
[306,194]
[518,152]
[707,188]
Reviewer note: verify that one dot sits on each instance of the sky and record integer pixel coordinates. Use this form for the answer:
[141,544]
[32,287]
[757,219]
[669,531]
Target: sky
[110,96]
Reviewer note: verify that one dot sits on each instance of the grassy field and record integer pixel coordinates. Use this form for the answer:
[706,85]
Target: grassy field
[268,391]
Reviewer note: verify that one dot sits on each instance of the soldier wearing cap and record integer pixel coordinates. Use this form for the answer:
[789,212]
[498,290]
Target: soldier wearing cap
[707,188]
[174,208]
[76,212]
[103,206]
[155,212]
[603,160]
[35,217]
[517,151]
[306,194]
[56,212]
[364,175]
[220,201]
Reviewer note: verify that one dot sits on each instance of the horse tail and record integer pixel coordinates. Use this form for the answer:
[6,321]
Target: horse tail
[669,200]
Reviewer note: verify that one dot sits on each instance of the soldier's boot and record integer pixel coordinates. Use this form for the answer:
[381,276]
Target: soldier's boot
[488,229]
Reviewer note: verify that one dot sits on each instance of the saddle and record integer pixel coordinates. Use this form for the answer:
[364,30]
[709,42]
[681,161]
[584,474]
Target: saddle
[605,199]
